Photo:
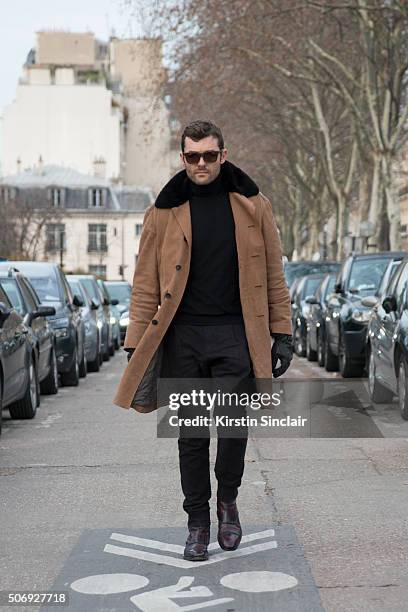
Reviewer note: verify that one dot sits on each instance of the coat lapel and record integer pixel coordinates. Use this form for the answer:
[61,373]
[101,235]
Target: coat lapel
[182,214]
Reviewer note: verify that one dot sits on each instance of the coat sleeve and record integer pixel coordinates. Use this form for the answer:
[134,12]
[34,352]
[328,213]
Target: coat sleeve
[280,320]
[145,295]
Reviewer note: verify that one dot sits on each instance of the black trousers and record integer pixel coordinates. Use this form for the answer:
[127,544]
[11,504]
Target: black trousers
[208,351]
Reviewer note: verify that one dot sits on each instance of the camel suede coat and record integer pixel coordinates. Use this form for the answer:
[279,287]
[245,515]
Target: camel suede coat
[161,275]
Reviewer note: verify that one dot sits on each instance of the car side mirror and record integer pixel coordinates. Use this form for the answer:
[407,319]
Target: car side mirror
[338,288]
[5,312]
[94,304]
[78,300]
[114,302]
[310,299]
[389,303]
[42,311]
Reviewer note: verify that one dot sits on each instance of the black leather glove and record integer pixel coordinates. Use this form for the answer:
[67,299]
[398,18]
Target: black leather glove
[130,352]
[282,349]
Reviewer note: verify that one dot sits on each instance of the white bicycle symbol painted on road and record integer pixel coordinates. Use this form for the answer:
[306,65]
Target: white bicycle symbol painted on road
[162,599]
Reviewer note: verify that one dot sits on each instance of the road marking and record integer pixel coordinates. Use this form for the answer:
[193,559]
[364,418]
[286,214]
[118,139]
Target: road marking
[106,584]
[177,548]
[183,563]
[258,582]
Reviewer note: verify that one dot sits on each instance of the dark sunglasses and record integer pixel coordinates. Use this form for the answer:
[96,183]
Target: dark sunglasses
[208,156]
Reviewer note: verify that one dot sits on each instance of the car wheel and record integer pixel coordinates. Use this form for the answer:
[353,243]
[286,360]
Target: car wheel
[26,408]
[112,349]
[49,386]
[402,389]
[320,350]
[71,378]
[331,362]
[300,348]
[346,367]
[378,393]
[83,370]
[311,355]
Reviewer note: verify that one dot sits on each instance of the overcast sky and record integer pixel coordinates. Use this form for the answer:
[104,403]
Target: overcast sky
[20,19]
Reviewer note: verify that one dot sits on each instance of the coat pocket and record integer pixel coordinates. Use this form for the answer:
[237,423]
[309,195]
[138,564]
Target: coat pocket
[146,393]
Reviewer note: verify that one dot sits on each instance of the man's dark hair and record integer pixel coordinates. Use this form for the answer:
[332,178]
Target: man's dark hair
[197,130]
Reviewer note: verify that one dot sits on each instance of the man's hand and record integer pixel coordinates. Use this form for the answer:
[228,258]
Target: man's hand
[282,349]
[130,352]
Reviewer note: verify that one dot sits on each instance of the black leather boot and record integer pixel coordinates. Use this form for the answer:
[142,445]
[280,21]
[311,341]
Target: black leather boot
[196,544]
[229,527]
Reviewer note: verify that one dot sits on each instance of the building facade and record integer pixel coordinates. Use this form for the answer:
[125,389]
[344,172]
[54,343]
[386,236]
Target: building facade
[88,225]
[81,101]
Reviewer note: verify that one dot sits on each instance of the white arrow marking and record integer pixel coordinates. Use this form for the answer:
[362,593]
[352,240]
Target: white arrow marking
[177,548]
[175,562]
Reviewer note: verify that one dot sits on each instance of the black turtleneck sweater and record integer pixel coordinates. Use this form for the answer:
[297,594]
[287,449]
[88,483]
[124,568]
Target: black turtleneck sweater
[212,295]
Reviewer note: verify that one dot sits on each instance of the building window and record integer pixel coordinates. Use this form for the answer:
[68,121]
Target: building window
[57,198]
[98,270]
[8,193]
[138,229]
[97,197]
[55,237]
[97,237]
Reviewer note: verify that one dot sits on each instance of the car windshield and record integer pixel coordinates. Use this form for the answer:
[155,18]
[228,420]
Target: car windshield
[311,285]
[120,292]
[77,288]
[295,269]
[330,286]
[46,288]
[92,289]
[366,274]
[10,287]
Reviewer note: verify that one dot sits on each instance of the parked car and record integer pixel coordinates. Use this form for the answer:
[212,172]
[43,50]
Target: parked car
[387,342]
[52,288]
[316,320]
[114,316]
[297,269]
[347,317]
[93,336]
[19,386]
[306,288]
[26,302]
[122,291]
[91,286]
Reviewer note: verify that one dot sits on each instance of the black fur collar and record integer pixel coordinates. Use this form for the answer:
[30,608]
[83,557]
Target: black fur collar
[178,189]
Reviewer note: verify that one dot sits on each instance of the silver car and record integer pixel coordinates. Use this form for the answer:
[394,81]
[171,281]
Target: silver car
[93,336]
[89,282]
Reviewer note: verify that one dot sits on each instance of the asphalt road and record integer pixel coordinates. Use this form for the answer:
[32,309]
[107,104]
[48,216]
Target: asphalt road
[91,505]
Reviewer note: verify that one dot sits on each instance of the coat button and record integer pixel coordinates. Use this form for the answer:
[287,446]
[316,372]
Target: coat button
[154,321]
[167,295]
[178,267]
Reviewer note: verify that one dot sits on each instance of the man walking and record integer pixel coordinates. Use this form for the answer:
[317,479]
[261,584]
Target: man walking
[210,274]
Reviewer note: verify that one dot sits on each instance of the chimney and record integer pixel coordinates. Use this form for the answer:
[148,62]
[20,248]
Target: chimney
[99,167]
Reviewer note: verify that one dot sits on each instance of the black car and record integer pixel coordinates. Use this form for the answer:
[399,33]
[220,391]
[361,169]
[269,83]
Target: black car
[19,386]
[347,317]
[387,342]
[316,320]
[26,302]
[52,288]
[297,269]
[306,288]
